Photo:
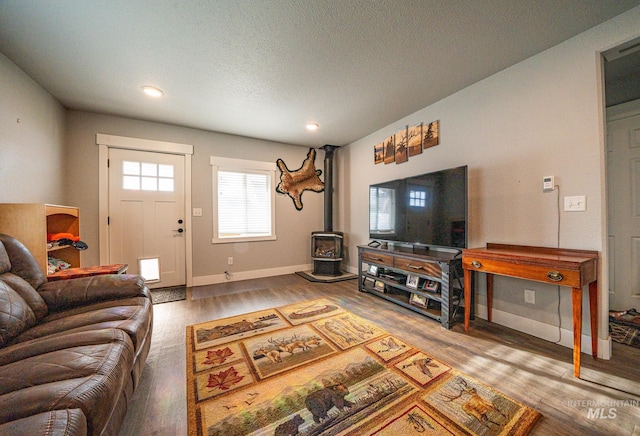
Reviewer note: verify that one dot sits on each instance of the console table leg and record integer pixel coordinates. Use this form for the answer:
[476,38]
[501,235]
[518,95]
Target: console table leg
[593,312]
[467,298]
[489,295]
[576,302]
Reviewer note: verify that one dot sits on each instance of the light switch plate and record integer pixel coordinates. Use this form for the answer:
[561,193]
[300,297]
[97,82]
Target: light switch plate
[197,211]
[576,203]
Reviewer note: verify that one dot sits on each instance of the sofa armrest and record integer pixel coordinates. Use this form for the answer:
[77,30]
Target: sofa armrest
[66,294]
[69,422]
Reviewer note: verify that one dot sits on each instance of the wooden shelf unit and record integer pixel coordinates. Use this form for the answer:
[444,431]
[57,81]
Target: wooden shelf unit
[30,223]
[441,266]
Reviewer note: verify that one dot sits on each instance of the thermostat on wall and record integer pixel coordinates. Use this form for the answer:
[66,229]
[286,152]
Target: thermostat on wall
[548,183]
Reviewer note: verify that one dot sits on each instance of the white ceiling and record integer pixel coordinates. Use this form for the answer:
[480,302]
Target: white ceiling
[263,68]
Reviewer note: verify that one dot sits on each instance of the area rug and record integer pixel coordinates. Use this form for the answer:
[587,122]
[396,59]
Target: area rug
[167,295]
[624,327]
[312,368]
[309,275]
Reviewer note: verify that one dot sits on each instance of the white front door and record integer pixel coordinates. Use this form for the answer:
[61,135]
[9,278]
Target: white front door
[623,193]
[147,213]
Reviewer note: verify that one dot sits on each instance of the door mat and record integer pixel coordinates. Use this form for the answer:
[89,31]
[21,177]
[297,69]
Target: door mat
[312,368]
[326,279]
[167,295]
[624,327]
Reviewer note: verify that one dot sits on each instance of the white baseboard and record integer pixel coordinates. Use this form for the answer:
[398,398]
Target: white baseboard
[545,331]
[246,275]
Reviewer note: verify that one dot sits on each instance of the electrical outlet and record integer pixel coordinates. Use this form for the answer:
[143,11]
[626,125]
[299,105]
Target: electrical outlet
[197,211]
[529,296]
[230,261]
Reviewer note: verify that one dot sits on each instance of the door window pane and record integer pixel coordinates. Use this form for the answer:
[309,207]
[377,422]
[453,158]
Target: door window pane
[147,176]
[131,182]
[131,168]
[149,169]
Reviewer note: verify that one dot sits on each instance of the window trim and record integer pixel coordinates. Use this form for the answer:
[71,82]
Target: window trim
[224,163]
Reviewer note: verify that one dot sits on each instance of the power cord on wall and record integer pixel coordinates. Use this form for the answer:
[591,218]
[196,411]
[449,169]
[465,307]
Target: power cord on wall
[557,188]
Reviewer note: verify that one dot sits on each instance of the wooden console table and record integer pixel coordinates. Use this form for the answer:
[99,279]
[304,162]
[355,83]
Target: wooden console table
[74,273]
[564,267]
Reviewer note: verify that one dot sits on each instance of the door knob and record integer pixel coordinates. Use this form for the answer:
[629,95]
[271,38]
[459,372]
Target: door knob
[180,221]
[178,230]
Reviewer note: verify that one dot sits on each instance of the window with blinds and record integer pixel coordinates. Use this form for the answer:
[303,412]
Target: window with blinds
[244,200]
[382,210]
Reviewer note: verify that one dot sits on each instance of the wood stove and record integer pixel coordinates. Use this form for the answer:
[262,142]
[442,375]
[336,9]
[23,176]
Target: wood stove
[327,246]
[326,252]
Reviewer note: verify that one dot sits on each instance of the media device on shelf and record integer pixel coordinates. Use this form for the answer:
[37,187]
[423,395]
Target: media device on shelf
[424,211]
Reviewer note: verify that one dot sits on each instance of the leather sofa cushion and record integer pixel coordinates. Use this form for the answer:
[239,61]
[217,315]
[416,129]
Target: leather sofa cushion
[131,315]
[84,370]
[68,422]
[5,263]
[28,294]
[23,263]
[15,314]
[20,305]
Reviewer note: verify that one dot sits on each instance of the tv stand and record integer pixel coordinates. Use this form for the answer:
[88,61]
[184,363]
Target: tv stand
[429,283]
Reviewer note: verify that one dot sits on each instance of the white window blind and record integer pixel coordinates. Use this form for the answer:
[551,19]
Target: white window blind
[382,213]
[244,200]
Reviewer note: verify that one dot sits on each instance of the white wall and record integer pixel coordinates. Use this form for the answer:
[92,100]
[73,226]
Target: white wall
[31,140]
[291,249]
[543,116]
[50,156]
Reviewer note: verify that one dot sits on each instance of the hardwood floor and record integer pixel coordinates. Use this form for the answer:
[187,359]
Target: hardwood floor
[532,371]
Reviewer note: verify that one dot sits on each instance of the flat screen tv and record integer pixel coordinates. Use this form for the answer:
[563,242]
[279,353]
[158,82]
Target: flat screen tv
[428,209]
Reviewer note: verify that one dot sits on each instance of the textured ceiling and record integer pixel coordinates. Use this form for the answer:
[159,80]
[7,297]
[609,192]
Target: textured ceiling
[264,68]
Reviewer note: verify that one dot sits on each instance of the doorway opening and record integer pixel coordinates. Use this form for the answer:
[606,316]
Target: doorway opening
[622,171]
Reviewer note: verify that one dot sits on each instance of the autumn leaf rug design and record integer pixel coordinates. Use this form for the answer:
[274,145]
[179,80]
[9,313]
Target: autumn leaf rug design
[312,368]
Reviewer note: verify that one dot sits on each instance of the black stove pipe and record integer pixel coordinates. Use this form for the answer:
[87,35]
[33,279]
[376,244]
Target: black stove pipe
[328,186]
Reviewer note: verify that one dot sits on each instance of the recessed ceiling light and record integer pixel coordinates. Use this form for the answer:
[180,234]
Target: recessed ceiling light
[312,126]
[152,91]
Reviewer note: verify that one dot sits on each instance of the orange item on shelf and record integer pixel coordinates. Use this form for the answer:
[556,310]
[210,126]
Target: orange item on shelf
[58,236]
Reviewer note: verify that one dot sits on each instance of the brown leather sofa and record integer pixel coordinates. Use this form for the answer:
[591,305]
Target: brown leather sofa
[71,351]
